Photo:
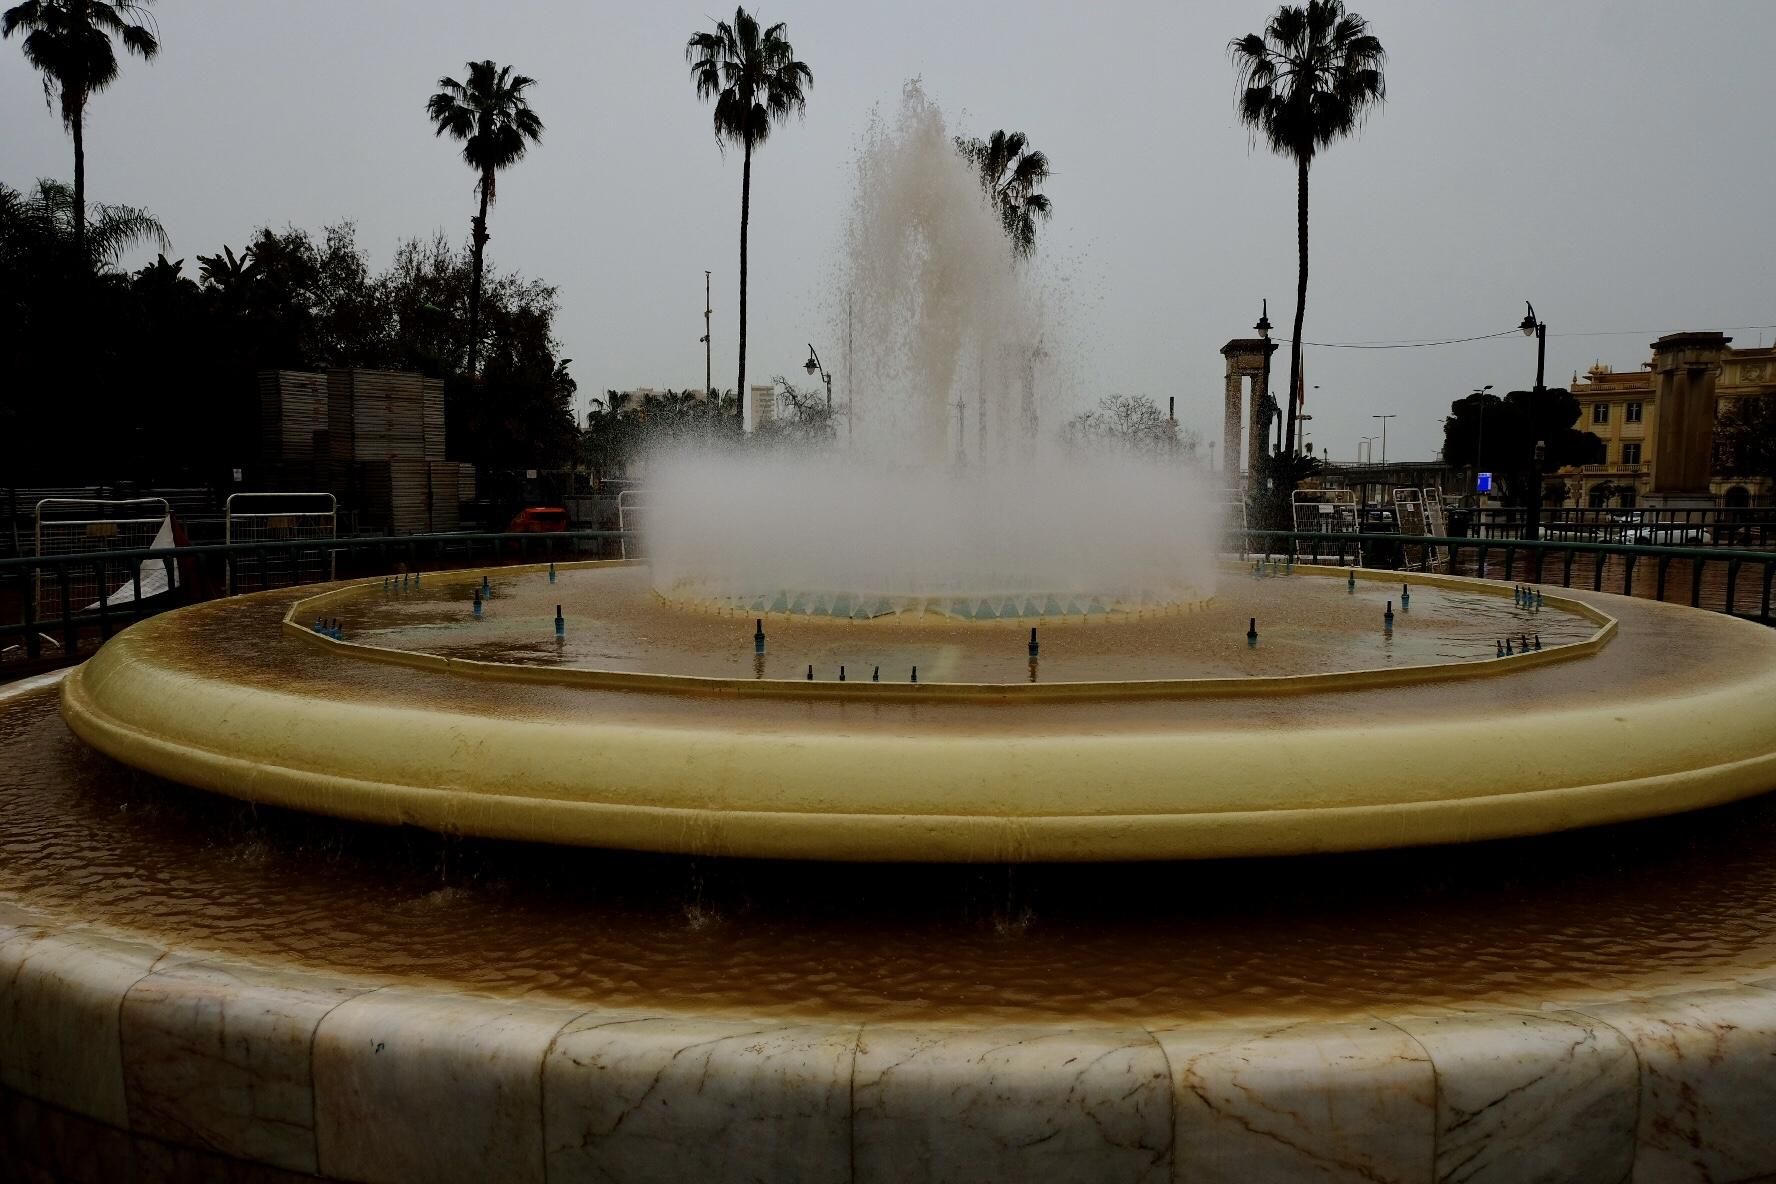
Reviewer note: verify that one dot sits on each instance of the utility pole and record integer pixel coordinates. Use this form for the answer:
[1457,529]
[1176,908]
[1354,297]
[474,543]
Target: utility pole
[708,383]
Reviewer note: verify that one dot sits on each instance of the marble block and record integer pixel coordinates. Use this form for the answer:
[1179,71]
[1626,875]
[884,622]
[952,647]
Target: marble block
[1312,1101]
[711,1100]
[973,1105]
[443,1088]
[1531,1098]
[1707,1083]
[217,1056]
[60,994]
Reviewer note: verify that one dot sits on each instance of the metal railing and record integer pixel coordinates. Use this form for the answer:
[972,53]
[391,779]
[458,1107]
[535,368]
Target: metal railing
[1721,579]
[1736,582]
[192,573]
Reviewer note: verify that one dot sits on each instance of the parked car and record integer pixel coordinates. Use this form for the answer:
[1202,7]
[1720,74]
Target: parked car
[538,520]
[1638,529]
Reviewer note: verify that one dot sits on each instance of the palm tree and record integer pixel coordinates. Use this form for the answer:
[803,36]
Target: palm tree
[1010,172]
[492,118]
[756,82]
[69,41]
[97,235]
[1309,80]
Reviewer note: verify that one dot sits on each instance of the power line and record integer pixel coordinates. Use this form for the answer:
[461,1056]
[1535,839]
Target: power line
[1398,344]
[1425,344]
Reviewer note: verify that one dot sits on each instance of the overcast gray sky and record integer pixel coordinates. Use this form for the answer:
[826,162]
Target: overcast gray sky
[1610,160]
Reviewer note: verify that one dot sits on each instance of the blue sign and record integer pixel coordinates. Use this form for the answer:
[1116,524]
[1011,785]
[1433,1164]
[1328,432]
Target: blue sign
[1484,483]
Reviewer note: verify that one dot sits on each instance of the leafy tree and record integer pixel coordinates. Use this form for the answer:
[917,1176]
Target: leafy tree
[495,123]
[757,83]
[1308,81]
[70,43]
[1745,437]
[1499,435]
[1010,174]
[167,387]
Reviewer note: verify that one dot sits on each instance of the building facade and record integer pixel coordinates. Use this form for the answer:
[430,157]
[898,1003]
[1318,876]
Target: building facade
[1622,408]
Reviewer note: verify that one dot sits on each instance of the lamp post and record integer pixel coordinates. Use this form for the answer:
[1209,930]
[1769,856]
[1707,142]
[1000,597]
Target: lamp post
[1480,442]
[1263,328]
[813,367]
[1533,326]
[1384,432]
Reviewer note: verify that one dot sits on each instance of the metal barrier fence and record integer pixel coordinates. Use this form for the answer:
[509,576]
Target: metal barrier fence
[248,517]
[151,580]
[1720,579]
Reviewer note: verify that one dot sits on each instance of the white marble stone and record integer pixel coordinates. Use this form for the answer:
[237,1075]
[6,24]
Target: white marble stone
[1707,1083]
[217,1056]
[1530,1098]
[1010,1104]
[710,1100]
[60,994]
[1315,1102]
[412,1085]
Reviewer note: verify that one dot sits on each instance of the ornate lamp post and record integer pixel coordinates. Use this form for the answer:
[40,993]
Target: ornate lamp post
[1532,326]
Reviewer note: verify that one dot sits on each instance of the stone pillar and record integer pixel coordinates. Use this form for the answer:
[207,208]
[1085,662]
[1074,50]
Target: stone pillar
[1247,360]
[1685,368]
[1230,425]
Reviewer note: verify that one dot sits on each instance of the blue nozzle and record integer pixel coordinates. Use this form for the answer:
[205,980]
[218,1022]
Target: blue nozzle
[1252,632]
[560,623]
[810,674]
[1033,646]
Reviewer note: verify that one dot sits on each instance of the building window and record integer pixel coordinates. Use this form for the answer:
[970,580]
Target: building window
[1627,501]
[1631,413]
[1600,413]
[1631,452]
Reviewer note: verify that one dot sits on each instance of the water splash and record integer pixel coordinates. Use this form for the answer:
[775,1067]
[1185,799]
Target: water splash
[944,487]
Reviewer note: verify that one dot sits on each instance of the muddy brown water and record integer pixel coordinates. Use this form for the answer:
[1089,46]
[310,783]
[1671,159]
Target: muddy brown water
[1655,905]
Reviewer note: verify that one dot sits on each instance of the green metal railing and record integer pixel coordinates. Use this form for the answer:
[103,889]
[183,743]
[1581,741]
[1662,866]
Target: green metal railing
[205,571]
[1737,582]
[1720,579]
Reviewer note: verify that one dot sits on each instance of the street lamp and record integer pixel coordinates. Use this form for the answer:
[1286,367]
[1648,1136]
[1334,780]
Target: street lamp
[1533,326]
[1480,441]
[1384,433]
[813,367]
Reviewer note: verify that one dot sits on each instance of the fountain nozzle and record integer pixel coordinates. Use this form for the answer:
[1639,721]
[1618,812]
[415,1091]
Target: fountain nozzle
[1033,646]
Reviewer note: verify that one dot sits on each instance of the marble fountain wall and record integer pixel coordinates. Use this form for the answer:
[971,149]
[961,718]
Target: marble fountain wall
[121,1060]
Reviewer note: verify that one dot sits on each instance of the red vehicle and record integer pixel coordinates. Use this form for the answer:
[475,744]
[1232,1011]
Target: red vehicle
[538,520]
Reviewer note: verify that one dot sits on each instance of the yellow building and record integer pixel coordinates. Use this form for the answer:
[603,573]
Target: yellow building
[1621,409]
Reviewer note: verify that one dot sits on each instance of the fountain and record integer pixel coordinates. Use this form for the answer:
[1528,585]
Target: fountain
[1109,859]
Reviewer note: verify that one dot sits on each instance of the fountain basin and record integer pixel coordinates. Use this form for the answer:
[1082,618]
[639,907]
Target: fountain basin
[1670,711]
[160,1016]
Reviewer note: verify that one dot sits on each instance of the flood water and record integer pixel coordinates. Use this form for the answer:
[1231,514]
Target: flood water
[1675,901]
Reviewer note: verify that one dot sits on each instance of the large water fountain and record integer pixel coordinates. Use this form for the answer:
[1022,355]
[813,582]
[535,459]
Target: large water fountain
[795,854]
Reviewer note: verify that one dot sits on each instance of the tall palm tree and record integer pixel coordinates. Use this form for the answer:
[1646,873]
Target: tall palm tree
[1307,81]
[1010,173]
[756,82]
[69,42]
[495,123]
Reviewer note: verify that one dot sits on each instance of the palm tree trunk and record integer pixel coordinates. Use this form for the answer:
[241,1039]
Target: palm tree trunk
[79,133]
[745,213]
[1300,301]
[480,247]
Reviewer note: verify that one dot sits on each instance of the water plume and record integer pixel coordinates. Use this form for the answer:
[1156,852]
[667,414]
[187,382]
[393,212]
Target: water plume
[943,485]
